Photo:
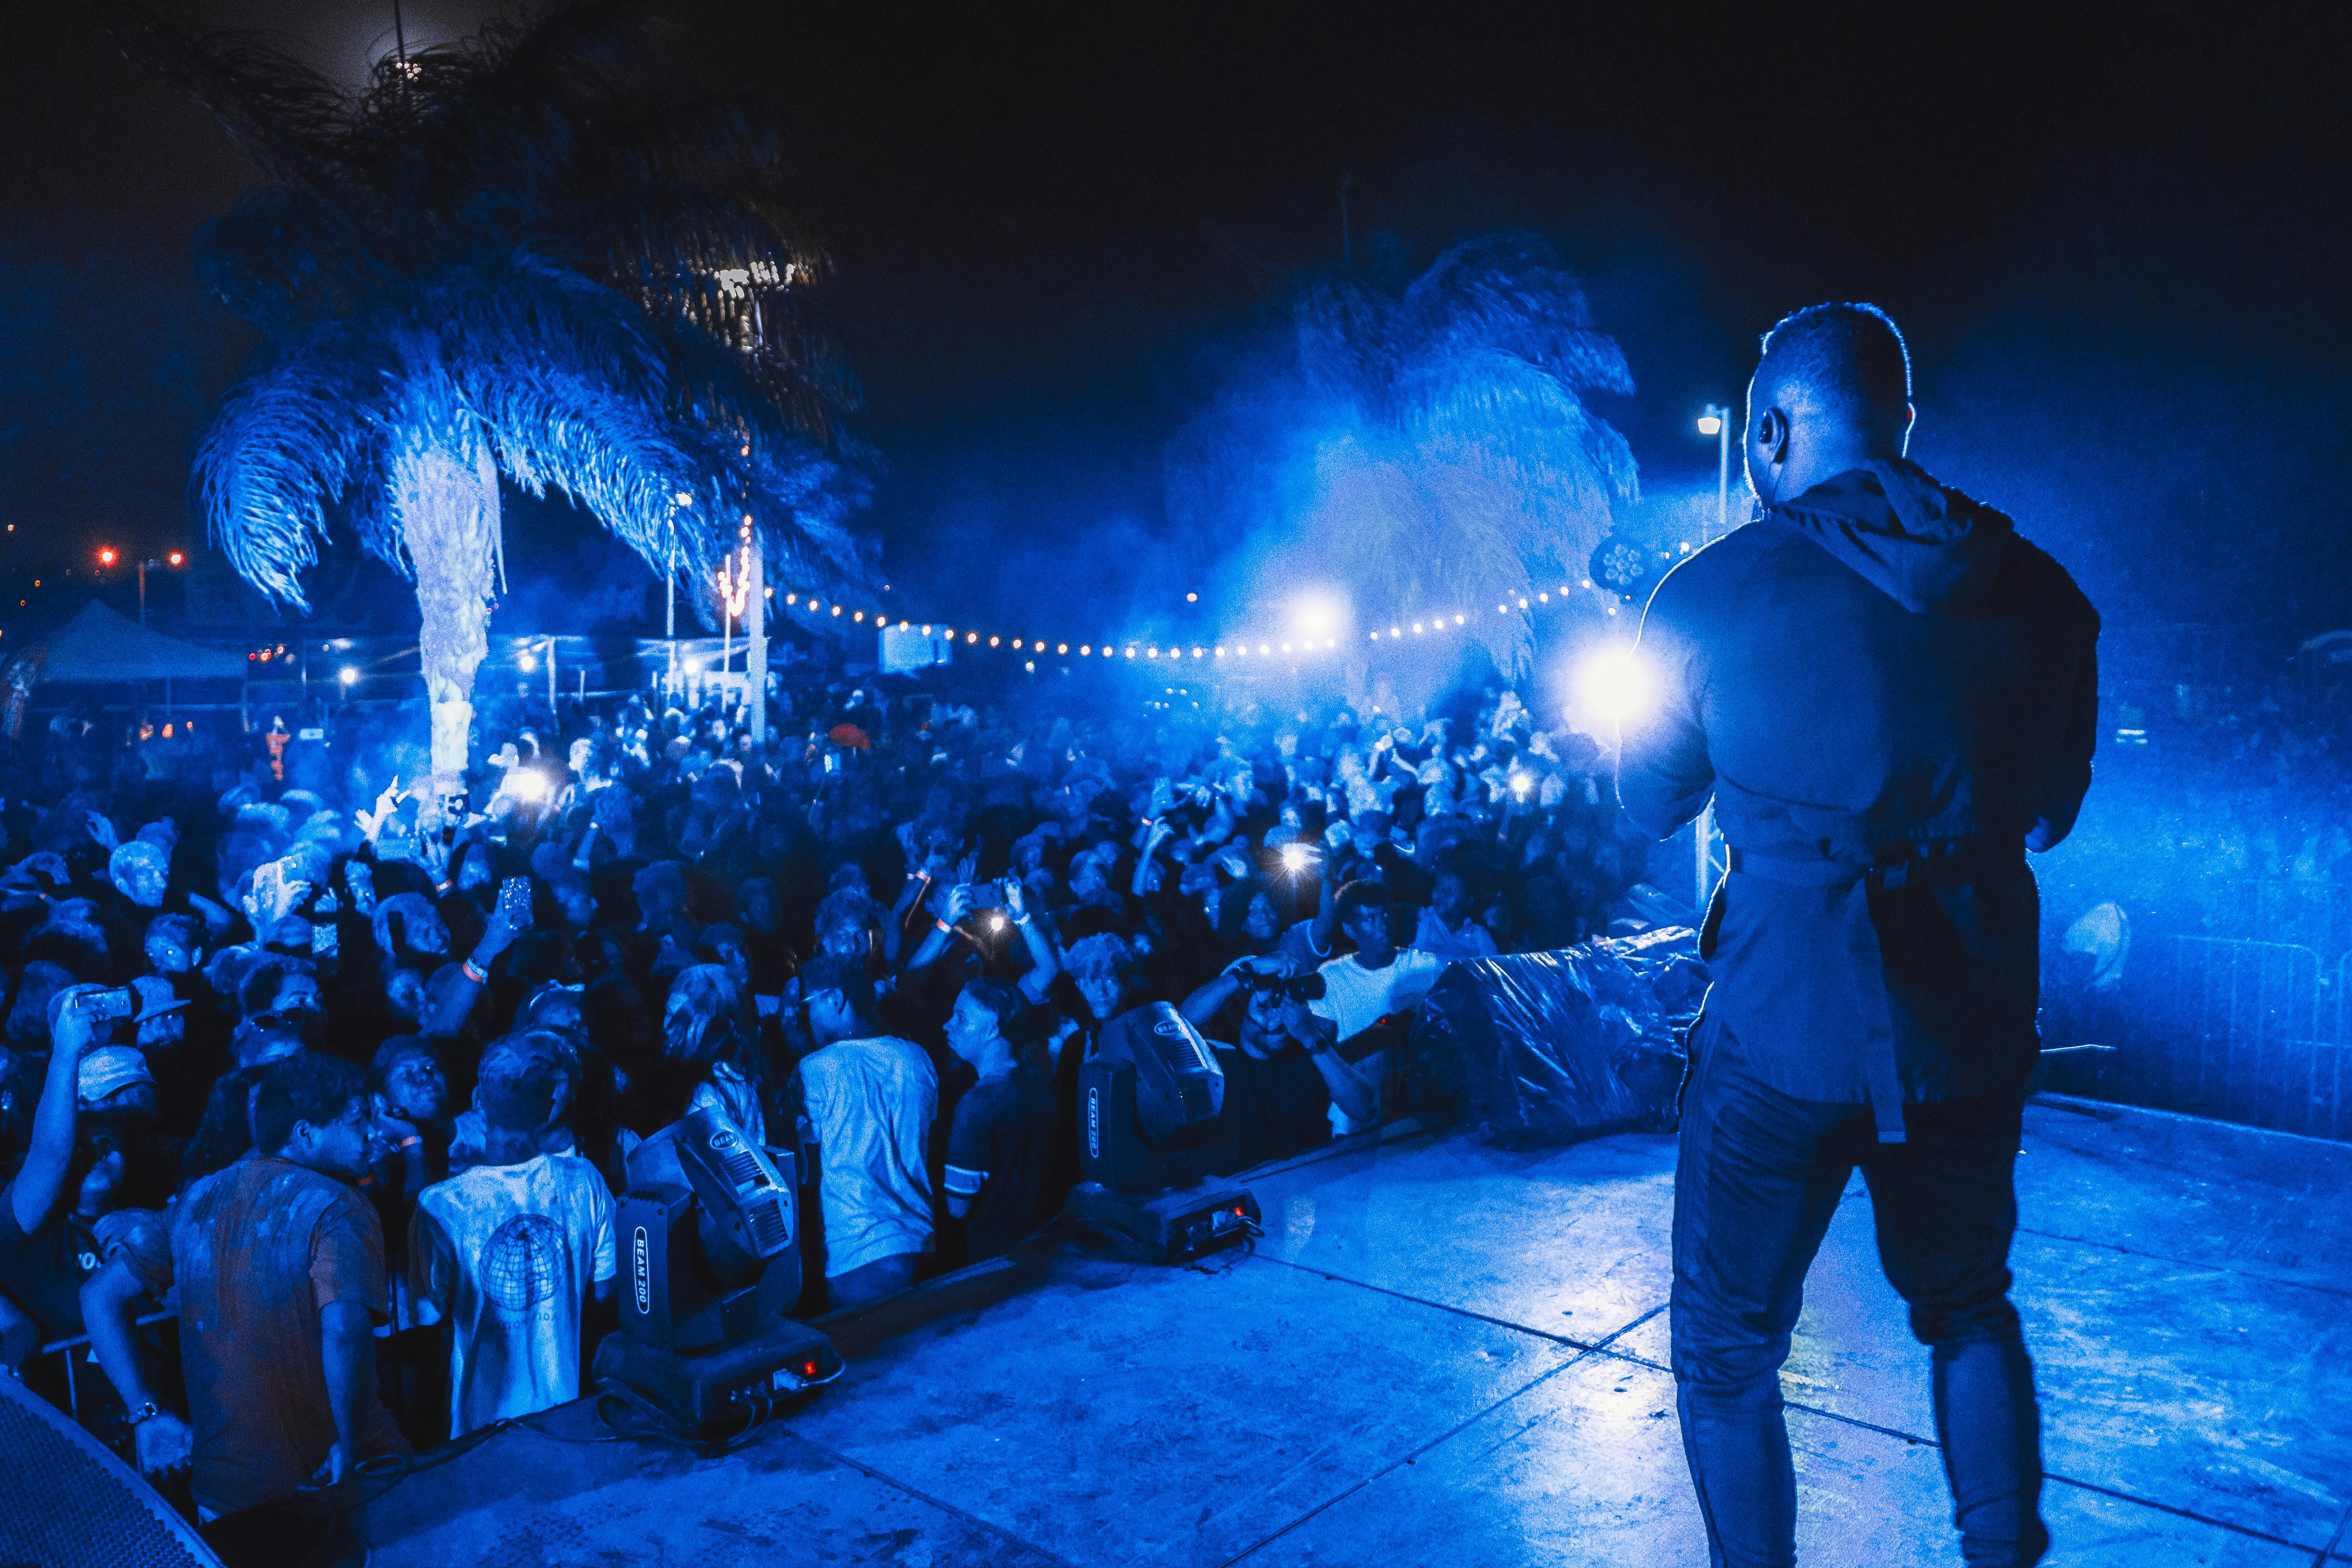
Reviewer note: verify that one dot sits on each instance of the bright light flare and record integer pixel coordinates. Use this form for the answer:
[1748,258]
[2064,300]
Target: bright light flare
[106,557]
[527,783]
[1294,857]
[349,675]
[1616,684]
[1710,423]
[1319,614]
[526,662]
[175,557]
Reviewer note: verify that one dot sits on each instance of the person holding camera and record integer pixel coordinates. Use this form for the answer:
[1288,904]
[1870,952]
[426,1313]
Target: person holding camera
[1366,995]
[1283,1072]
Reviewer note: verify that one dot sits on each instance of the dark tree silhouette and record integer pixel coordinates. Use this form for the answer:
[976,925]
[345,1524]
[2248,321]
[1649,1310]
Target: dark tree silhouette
[508,256]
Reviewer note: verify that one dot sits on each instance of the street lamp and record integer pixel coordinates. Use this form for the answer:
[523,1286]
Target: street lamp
[1716,420]
[174,559]
[1713,420]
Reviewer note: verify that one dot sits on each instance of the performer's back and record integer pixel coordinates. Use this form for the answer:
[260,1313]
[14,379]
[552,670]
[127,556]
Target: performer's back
[1880,661]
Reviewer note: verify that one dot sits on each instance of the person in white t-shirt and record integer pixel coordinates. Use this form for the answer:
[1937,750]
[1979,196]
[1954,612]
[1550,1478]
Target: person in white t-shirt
[508,1253]
[1374,982]
[869,1099]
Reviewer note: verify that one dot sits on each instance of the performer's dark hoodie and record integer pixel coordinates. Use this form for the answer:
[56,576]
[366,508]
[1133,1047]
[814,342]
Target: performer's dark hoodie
[1879,663]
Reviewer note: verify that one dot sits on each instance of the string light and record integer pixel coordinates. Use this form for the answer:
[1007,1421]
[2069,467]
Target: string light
[734,581]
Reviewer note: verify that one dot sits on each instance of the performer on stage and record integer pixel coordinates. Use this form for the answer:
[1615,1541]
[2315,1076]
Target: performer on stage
[1891,697]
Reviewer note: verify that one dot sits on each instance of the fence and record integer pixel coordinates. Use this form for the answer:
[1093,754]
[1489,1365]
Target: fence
[2244,1031]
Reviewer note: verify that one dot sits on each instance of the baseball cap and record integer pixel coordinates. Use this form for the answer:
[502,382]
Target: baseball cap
[107,1071]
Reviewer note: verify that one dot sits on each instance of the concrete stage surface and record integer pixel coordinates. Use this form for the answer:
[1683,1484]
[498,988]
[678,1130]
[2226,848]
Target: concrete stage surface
[1444,1355]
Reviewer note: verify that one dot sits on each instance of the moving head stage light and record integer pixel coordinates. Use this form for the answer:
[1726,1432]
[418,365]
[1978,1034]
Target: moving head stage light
[709,1240]
[1148,1104]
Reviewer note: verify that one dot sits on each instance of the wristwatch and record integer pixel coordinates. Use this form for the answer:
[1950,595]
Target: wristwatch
[147,1411]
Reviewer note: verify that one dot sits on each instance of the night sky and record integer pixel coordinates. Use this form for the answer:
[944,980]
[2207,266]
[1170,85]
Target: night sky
[2118,242]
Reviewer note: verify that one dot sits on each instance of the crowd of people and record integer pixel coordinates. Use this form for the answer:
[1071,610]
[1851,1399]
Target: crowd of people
[320,1085]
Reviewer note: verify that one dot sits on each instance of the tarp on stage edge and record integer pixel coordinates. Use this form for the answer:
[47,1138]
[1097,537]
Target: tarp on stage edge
[1535,1048]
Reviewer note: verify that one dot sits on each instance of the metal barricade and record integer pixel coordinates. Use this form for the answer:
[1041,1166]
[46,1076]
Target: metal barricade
[2316,915]
[2228,1030]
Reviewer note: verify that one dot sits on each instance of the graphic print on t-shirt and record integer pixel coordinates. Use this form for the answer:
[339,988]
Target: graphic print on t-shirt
[524,1263]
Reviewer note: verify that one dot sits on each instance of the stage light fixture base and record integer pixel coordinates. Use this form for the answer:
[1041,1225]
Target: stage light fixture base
[713,1393]
[1171,1227]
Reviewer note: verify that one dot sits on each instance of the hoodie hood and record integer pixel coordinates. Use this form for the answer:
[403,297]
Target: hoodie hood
[1921,543]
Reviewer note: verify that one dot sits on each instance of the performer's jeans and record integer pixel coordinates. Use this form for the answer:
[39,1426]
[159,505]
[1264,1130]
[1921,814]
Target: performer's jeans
[1759,1176]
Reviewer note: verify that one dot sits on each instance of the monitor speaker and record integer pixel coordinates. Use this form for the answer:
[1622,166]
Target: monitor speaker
[69,1502]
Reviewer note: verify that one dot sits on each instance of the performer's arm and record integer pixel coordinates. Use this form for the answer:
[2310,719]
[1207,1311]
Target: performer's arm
[2070,771]
[1663,773]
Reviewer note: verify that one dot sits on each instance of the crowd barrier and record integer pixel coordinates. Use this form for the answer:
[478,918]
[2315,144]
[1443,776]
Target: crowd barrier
[2241,1030]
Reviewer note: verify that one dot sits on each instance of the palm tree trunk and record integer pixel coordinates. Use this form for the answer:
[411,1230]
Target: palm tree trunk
[445,490]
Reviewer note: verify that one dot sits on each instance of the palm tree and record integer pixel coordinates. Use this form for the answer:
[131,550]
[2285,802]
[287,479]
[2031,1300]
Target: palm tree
[505,258]
[1430,443]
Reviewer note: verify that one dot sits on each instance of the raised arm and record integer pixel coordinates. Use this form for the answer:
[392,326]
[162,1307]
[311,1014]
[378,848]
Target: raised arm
[1045,961]
[475,973]
[42,1177]
[1664,776]
[948,905]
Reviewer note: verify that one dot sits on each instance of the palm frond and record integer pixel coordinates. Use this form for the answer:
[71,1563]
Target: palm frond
[536,258]
[288,443]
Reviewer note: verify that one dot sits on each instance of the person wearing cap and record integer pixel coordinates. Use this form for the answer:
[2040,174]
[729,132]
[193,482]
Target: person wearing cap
[526,1053]
[87,1263]
[134,1267]
[29,1204]
[510,1252]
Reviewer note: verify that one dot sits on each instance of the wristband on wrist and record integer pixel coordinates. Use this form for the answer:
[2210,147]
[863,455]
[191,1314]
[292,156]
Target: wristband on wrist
[146,1412]
[472,973]
[411,1142]
[945,929]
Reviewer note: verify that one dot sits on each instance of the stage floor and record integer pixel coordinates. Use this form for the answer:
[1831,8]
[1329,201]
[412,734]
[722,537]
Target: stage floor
[1443,1354]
